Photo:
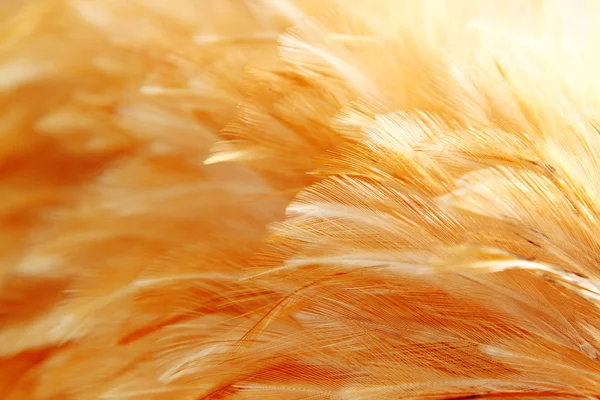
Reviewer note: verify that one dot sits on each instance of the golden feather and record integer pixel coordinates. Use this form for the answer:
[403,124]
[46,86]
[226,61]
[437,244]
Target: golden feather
[292,199]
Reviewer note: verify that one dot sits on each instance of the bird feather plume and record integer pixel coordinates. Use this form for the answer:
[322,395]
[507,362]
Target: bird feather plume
[298,199]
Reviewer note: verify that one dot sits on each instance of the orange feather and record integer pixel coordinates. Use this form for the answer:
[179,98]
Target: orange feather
[299,199]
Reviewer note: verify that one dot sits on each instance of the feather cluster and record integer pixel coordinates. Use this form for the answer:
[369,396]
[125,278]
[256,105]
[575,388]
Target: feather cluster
[298,199]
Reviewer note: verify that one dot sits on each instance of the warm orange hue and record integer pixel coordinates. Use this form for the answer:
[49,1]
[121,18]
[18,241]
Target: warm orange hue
[299,199]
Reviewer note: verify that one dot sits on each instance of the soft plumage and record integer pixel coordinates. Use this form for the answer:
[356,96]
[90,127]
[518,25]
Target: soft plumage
[278,199]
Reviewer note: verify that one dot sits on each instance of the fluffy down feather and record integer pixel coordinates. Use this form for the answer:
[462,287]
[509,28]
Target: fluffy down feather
[298,199]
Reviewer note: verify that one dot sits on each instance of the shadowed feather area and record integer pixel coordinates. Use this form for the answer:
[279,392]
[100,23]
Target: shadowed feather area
[299,199]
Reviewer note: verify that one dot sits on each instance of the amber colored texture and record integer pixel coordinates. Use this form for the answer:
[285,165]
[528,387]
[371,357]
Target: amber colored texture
[299,199]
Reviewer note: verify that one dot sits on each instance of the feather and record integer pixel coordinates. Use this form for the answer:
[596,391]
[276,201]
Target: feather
[260,199]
